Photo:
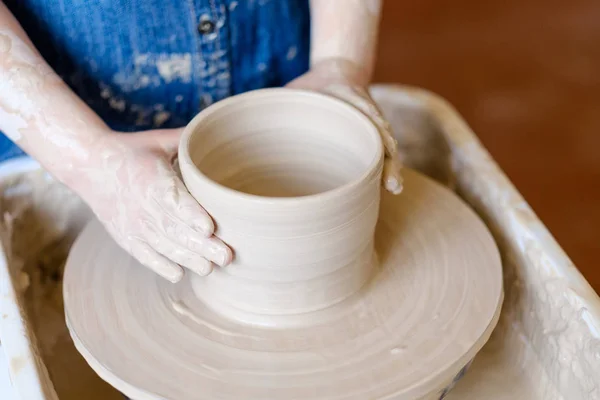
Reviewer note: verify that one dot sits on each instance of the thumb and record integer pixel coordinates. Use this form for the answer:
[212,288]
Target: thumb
[166,139]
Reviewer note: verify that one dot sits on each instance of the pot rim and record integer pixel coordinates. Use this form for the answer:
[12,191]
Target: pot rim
[187,166]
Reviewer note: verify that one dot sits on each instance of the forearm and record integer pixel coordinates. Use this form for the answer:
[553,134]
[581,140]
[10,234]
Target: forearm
[38,111]
[346,30]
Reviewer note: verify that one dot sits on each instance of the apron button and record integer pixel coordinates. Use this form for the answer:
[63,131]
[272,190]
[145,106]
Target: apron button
[206,26]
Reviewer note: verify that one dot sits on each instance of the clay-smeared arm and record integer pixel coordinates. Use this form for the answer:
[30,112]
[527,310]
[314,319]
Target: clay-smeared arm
[346,30]
[343,44]
[128,181]
[37,109]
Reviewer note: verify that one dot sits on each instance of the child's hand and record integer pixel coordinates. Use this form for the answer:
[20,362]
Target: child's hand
[134,190]
[343,80]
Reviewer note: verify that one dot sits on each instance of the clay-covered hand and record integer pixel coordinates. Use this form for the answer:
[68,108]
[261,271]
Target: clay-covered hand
[133,188]
[346,81]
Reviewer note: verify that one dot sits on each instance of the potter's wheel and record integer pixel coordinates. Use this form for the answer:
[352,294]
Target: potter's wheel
[428,310]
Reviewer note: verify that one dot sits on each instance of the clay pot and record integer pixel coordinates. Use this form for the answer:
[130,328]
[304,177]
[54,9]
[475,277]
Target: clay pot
[292,181]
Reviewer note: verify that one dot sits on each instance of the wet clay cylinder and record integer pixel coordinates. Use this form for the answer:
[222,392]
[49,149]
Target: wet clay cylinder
[295,192]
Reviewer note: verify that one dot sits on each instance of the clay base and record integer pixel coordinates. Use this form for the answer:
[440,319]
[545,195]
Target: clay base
[430,307]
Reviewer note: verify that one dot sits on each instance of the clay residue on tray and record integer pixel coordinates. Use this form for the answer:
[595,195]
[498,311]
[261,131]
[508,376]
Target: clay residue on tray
[550,313]
[506,369]
[41,218]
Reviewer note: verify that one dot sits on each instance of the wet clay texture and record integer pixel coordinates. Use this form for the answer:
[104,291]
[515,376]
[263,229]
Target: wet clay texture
[337,290]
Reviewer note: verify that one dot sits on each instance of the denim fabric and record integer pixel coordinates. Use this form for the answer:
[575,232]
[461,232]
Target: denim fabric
[143,64]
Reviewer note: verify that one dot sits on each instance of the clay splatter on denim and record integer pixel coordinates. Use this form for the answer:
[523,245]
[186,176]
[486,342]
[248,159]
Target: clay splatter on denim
[145,64]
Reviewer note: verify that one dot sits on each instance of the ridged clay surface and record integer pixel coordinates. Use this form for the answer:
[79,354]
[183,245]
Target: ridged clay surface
[428,310]
[336,291]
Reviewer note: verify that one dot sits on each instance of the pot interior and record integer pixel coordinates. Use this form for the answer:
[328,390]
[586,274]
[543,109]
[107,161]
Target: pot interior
[284,145]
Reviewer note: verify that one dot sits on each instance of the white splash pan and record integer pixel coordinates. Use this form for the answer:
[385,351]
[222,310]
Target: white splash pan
[546,346]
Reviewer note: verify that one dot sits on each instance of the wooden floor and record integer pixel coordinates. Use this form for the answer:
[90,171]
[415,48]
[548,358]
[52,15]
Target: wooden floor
[526,77]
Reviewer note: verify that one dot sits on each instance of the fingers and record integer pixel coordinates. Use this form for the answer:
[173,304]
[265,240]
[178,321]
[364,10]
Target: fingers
[171,236]
[360,98]
[210,248]
[177,227]
[164,267]
[165,257]
[186,248]
[392,179]
[179,204]
[184,257]
[202,267]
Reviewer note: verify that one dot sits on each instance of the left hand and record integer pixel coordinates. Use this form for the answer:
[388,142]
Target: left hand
[346,81]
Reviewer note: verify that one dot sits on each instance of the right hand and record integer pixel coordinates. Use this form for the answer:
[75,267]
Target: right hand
[135,192]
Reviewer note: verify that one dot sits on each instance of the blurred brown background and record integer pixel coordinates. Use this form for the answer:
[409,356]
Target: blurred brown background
[526,77]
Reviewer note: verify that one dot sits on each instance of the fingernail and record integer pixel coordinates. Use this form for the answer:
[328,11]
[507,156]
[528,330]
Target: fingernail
[218,253]
[227,256]
[174,275]
[393,186]
[205,226]
[202,267]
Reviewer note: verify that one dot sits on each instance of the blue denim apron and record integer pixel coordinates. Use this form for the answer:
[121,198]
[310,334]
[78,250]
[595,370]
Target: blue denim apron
[143,64]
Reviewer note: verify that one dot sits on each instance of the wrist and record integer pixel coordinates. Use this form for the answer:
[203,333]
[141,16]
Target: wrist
[71,163]
[346,30]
